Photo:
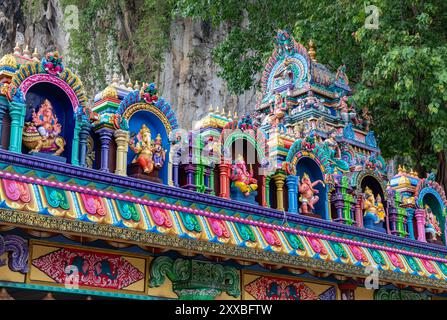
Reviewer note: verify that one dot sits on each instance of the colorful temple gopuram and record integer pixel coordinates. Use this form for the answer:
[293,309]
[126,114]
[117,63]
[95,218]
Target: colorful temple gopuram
[112,199]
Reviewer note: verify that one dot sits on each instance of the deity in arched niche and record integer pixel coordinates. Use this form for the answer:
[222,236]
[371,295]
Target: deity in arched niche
[307,193]
[42,134]
[242,178]
[143,149]
[373,207]
[431,224]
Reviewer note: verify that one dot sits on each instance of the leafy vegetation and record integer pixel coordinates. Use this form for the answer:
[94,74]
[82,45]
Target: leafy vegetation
[399,71]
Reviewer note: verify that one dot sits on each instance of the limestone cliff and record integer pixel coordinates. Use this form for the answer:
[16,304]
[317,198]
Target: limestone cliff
[188,78]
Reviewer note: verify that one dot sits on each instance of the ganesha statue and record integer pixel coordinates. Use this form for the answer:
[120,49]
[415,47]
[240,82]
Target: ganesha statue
[42,134]
[347,112]
[374,212]
[241,178]
[149,155]
[308,197]
[431,224]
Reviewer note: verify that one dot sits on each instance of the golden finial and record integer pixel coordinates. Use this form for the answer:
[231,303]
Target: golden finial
[223,111]
[110,92]
[129,84]
[8,60]
[36,54]
[136,86]
[26,52]
[399,169]
[217,110]
[235,115]
[312,52]
[229,114]
[115,79]
[404,170]
[210,108]
[122,81]
[17,50]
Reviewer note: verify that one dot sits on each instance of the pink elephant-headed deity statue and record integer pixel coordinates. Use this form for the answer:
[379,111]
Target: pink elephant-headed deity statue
[431,224]
[242,178]
[42,134]
[308,194]
[52,63]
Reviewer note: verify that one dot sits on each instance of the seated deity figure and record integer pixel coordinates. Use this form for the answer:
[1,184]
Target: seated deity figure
[431,224]
[144,149]
[42,134]
[307,193]
[242,178]
[373,208]
[347,113]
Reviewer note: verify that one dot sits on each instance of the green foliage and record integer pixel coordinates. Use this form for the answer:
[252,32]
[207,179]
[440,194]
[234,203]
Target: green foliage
[119,36]
[399,70]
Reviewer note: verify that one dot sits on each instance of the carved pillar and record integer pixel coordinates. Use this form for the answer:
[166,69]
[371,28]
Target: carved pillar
[105,137]
[195,280]
[420,221]
[410,215]
[279,182]
[358,211]
[175,168]
[292,193]
[212,191]
[224,172]
[263,190]
[4,106]
[83,136]
[338,201]
[267,190]
[17,112]
[190,171]
[122,142]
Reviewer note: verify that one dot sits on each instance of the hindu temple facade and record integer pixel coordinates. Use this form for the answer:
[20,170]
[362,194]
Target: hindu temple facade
[107,196]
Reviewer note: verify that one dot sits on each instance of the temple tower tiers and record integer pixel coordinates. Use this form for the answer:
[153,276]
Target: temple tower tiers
[107,197]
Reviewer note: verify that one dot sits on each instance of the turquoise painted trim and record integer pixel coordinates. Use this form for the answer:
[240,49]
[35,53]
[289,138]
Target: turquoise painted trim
[79,291]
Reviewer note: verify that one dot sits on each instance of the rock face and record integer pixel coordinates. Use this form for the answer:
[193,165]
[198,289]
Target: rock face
[188,79]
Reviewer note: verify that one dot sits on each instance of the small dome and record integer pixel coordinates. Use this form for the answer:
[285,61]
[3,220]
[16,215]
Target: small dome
[8,61]
[110,92]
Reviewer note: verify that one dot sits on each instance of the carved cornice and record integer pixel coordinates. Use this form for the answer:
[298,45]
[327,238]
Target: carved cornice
[107,232]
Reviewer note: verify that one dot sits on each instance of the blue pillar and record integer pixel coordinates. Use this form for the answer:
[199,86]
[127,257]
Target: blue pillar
[292,193]
[410,215]
[83,135]
[17,112]
[326,203]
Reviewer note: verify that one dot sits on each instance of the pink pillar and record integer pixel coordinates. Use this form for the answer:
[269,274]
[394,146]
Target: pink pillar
[420,221]
[358,212]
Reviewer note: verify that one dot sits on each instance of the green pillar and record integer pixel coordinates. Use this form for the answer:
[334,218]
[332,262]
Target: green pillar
[267,190]
[17,112]
[212,181]
[194,279]
[75,144]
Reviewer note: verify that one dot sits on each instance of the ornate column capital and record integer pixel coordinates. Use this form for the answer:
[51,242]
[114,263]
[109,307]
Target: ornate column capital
[193,279]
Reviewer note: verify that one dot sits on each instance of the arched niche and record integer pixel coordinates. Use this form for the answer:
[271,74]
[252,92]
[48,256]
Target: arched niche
[251,145]
[145,114]
[432,200]
[62,107]
[309,165]
[376,186]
